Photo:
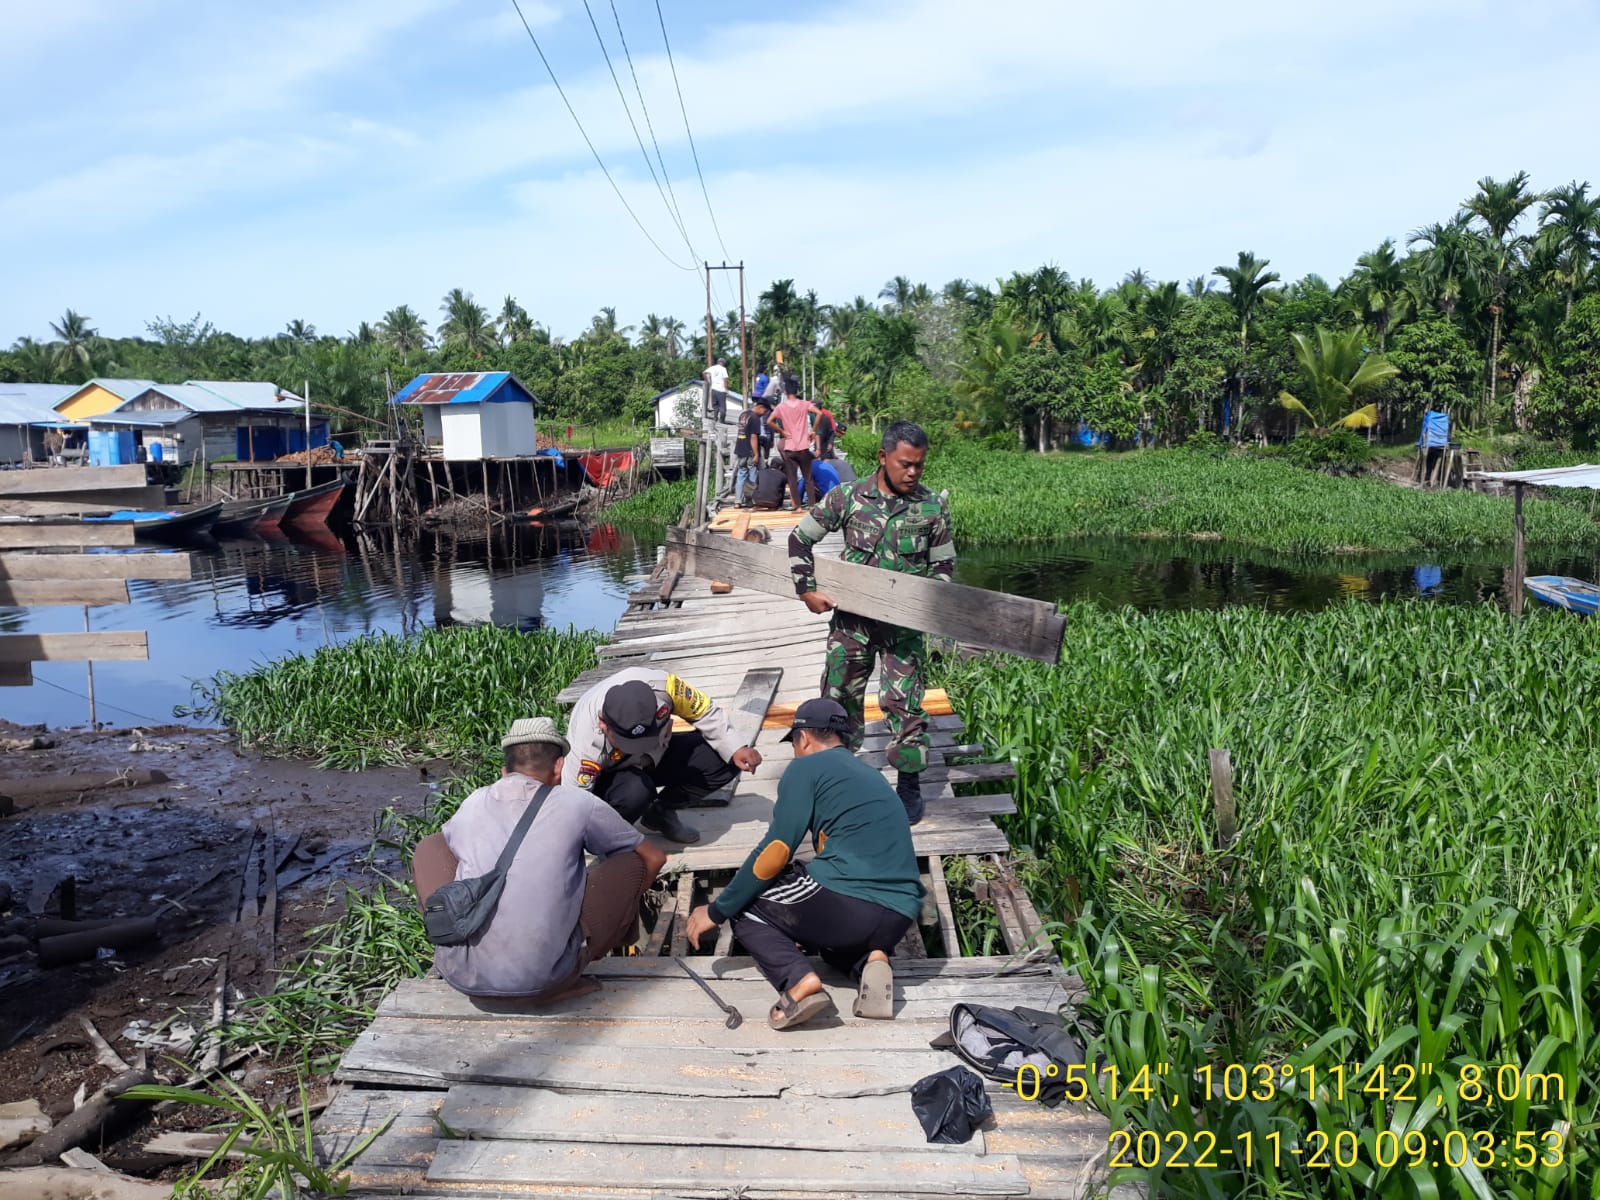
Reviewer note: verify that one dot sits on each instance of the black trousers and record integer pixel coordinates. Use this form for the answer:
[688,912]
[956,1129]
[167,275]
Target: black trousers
[796,908]
[688,771]
[719,406]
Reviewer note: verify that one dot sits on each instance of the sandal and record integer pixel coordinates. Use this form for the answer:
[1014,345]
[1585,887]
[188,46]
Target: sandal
[875,993]
[787,1013]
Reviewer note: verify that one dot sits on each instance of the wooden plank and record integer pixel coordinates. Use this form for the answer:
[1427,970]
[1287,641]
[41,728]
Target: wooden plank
[489,1163]
[680,928]
[16,674]
[73,647]
[750,703]
[153,564]
[933,977]
[658,934]
[414,1053]
[70,479]
[23,592]
[941,900]
[974,616]
[17,535]
[981,836]
[69,504]
[866,1123]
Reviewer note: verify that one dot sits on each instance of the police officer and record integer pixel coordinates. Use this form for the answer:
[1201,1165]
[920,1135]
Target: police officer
[624,750]
[891,521]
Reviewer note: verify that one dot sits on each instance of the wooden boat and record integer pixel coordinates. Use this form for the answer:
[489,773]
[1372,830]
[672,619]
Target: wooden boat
[245,516]
[548,512]
[1562,591]
[165,526]
[314,504]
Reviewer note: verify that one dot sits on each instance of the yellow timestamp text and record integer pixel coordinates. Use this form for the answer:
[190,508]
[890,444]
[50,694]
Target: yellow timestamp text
[1318,1150]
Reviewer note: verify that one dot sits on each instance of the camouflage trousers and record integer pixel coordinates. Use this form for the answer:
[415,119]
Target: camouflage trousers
[854,644]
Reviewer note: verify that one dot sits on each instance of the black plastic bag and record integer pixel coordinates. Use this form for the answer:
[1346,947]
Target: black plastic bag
[950,1105]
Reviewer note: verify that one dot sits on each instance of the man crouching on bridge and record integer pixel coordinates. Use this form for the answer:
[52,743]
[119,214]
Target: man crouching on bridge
[851,904]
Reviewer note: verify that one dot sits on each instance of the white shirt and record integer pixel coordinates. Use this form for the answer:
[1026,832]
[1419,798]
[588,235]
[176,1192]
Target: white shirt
[717,377]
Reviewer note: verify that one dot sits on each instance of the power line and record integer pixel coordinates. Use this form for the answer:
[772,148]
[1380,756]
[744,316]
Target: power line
[685,111]
[598,161]
[643,153]
[644,108]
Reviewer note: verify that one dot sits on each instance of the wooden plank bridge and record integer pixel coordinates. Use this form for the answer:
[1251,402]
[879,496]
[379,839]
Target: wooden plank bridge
[640,1090]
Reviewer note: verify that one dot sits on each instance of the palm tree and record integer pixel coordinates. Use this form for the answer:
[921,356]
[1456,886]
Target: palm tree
[1200,285]
[35,361]
[1137,279]
[403,330]
[1336,371]
[515,324]
[897,293]
[1247,283]
[467,324]
[1452,263]
[77,339]
[652,335]
[673,329]
[362,335]
[958,291]
[1569,228]
[1500,205]
[841,321]
[1378,290]
[300,331]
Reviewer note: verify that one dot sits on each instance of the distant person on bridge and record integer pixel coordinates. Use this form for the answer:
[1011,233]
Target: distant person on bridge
[624,750]
[793,418]
[717,382]
[554,917]
[852,903]
[747,450]
[771,484]
[891,521]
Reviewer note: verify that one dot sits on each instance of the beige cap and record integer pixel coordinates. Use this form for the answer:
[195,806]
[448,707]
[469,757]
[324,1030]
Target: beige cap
[534,729]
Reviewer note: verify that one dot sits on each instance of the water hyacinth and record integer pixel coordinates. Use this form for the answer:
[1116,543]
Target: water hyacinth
[1415,879]
[659,504]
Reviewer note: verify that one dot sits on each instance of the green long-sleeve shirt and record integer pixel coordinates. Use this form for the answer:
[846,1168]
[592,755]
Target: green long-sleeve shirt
[857,824]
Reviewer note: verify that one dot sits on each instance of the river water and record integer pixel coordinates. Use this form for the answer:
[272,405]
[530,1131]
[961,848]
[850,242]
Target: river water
[254,600]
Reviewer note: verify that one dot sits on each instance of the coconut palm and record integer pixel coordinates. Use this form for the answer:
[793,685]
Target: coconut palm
[1200,285]
[403,331]
[672,330]
[1247,281]
[1499,204]
[896,293]
[1452,264]
[300,331]
[77,340]
[362,335]
[1138,279]
[1378,290]
[652,335]
[467,325]
[515,324]
[958,291]
[35,362]
[1336,370]
[1569,229]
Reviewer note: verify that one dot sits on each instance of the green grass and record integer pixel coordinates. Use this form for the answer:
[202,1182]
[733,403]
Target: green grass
[613,434]
[1415,880]
[998,496]
[445,693]
[659,504]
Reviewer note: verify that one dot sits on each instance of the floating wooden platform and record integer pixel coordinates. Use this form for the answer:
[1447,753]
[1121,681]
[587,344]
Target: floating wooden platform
[641,1090]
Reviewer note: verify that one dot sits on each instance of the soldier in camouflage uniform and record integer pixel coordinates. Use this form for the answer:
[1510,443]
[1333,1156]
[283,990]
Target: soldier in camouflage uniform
[891,521]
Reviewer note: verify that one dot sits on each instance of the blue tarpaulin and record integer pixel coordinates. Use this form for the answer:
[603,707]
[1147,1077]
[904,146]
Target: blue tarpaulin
[1435,431]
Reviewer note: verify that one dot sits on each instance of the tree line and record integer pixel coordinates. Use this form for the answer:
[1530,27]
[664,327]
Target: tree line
[1492,314]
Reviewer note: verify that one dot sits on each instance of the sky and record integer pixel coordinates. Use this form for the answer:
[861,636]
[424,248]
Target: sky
[328,159]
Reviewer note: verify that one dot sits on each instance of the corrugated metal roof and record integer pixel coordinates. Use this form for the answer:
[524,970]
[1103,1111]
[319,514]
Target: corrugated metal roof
[126,388]
[18,408]
[465,387]
[239,397]
[47,394]
[249,393]
[673,391]
[160,418]
[1585,476]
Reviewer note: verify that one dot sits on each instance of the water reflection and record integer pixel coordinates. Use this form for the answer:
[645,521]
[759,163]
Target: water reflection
[1159,574]
[255,599]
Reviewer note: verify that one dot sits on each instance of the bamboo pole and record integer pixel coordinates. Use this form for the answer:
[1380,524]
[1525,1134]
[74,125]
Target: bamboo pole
[1519,566]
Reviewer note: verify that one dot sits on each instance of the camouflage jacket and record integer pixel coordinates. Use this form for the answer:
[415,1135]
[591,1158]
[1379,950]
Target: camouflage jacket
[899,533]
[591,753]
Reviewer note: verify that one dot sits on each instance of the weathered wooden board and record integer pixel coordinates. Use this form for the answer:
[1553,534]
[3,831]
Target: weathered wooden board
[73,647]
[16,674]
[18,535]
[935,977]
[66,504]
[645,1058]
[974,616]
[70,479]
[789,1122]
[23,592]
[975,835]
[483,1164]
[148,565]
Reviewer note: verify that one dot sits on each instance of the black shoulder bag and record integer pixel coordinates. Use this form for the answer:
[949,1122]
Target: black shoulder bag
[462,907]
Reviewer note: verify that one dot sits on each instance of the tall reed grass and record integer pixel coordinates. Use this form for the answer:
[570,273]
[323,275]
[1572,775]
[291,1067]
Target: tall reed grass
[384,698]
[1005,495]
[1414,880]
[659,504]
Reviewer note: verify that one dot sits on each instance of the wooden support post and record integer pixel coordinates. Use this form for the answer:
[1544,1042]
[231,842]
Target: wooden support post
[941,900]
[1222,798]
[1519,566]
[680,929]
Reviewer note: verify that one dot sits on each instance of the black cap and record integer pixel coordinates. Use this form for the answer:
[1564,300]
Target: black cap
[634,718]
[822,714]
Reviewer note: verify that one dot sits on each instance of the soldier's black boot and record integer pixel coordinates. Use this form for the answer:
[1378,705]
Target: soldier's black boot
[909,788]
[665,822]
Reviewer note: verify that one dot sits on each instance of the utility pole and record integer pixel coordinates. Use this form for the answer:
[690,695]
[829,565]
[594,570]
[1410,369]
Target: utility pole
[307,388]
[708,481]
[744,351]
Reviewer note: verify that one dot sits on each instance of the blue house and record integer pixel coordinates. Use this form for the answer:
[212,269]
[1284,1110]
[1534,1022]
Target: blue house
[473,415]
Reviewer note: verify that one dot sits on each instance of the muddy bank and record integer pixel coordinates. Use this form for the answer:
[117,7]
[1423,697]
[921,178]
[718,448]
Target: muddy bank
[129,824]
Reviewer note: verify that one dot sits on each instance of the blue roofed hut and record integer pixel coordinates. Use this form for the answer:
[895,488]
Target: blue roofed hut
[474,415]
